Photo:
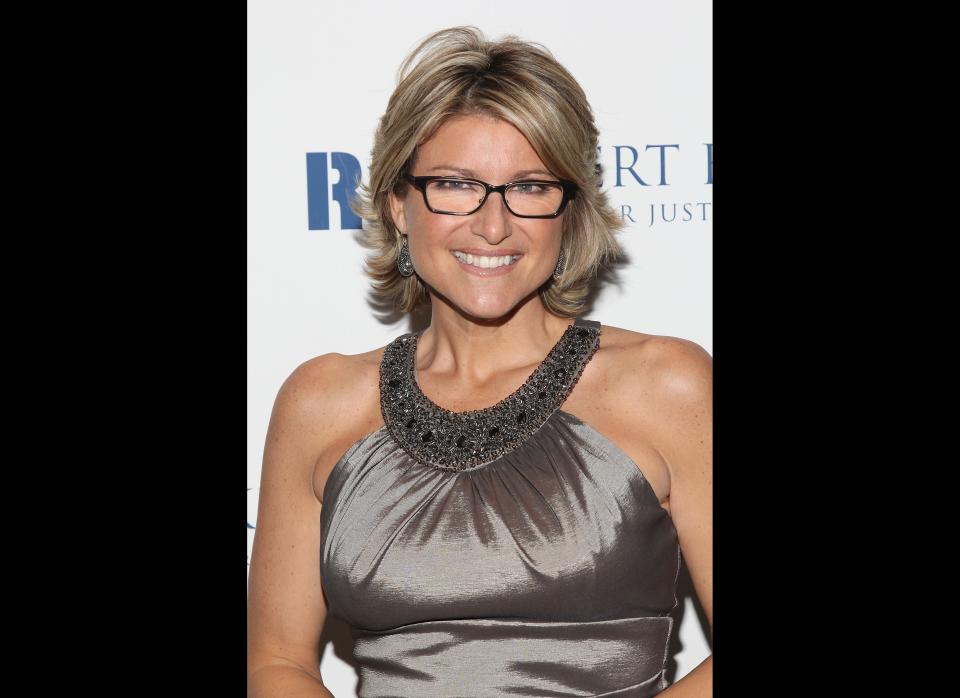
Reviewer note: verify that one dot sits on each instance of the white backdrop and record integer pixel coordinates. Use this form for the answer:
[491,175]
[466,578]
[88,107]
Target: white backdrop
[319,77]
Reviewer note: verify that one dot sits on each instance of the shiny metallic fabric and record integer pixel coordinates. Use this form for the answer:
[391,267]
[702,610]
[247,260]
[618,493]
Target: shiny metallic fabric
[547,570]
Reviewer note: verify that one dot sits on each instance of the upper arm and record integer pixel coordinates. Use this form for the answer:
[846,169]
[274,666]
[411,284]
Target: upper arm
[683,392]
[286,609]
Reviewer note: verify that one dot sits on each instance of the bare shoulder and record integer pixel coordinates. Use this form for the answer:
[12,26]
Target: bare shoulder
[321,383]
[662,386]
[328,403]
[672,368]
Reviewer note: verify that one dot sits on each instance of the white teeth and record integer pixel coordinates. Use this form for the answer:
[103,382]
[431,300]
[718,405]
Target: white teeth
[485,262]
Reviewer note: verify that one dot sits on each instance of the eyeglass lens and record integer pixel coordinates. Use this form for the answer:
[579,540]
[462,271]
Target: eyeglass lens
[523,198]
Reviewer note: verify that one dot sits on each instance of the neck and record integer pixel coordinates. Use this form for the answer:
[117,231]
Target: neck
[470,350]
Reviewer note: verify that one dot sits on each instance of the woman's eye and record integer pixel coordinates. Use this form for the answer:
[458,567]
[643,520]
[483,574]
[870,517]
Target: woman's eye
[529,188]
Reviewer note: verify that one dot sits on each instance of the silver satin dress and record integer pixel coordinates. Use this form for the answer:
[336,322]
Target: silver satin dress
[508,551]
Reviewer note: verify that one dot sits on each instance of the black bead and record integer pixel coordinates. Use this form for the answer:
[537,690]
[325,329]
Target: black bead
[410,422]
[494,431]
[582,332]
[394,383]
[559,373]
[426,436]
[460,440]
[521,418]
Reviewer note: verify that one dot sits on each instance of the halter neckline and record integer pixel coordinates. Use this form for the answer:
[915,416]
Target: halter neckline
[435,436]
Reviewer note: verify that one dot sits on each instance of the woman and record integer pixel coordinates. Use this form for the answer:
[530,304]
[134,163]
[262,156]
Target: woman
[497,504]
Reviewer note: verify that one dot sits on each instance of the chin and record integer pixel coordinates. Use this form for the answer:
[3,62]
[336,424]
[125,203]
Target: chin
[488,306]
[483,303]
[485,309]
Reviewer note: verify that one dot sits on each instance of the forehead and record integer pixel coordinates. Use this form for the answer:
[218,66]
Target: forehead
[482,144]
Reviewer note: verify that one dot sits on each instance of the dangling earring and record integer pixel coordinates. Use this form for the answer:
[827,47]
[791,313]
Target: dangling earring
[561,266]
[404,263]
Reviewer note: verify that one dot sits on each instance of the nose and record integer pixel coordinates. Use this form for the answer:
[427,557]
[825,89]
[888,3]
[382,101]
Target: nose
[492,221]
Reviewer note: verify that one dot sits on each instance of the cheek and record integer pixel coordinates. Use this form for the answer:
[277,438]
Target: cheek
[550,239]
[432,228]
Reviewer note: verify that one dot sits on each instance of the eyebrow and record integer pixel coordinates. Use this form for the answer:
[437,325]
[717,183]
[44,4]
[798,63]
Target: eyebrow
[470,173]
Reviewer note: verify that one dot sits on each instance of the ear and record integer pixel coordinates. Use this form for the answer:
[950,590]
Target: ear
[397,211]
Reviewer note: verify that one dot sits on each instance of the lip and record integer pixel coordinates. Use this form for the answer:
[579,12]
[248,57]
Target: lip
[477,271]
[499,252]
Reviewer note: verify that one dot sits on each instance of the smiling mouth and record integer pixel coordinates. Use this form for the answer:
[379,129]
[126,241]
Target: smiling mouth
[486,262]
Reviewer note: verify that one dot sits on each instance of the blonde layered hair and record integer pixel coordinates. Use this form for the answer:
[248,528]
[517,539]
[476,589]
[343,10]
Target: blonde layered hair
[457,72]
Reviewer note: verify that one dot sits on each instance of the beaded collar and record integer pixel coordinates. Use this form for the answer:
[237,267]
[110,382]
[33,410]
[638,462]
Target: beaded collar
[449,440]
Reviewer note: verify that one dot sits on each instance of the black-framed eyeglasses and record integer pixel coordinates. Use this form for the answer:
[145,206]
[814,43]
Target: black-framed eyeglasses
[528,198]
